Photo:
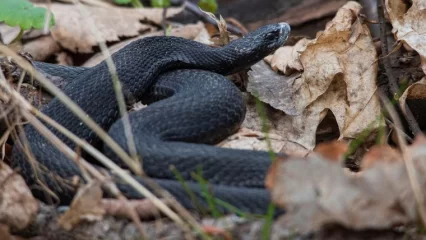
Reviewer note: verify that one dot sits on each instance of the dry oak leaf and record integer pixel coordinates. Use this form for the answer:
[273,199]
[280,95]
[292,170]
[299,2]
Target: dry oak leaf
[315,191]
[18,207]
[73,31]
[8,33]
[87,205]
[409,24]
[333,151]
[42,48]
[336,71]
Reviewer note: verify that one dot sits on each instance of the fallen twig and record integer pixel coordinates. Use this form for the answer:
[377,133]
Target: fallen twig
[370,10]
[197,11]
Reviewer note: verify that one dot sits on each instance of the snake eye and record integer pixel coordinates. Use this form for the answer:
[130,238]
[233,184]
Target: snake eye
[272,35]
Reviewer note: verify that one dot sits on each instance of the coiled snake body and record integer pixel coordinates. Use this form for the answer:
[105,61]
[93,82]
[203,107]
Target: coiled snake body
[192,105]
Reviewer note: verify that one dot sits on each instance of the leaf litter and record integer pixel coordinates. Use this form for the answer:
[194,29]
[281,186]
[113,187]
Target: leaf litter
[336,71]
[316,191]
[86,206]
[18,207]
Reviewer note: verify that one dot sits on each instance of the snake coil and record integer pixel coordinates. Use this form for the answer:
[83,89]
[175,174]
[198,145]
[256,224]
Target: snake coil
[191,106]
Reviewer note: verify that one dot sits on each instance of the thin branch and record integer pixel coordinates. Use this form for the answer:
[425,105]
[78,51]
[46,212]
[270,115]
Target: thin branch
[196,11]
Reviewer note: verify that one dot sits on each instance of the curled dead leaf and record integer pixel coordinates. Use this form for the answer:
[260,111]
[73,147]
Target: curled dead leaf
[41,48]
[380,153]
[86,206]
[8,33]
[415,97]
[333,151]
[409,25]
[18,207]
[287,59]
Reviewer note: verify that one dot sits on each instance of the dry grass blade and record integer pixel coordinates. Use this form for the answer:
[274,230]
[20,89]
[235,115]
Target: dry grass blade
[408,160]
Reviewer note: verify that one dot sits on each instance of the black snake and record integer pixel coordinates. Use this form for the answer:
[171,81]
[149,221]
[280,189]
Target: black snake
[191,106]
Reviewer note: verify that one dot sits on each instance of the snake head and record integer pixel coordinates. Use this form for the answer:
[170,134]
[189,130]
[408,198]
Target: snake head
[268,38]
[258,44]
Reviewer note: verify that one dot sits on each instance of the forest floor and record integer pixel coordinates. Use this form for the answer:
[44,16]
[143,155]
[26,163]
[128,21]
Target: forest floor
[343,98]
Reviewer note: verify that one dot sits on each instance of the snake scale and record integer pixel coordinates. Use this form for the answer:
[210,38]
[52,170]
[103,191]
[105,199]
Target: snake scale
[192,105]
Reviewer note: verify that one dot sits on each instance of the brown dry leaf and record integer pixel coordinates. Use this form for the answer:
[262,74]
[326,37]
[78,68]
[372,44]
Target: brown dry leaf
[334,151]
[380,153]
[8,33]
[18,207]
[72,30]
[339,74]
[286,59]
[63,58]
[409,24]
[5,233]
[204,37]
[86,205]
[41,48]
[315,192]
